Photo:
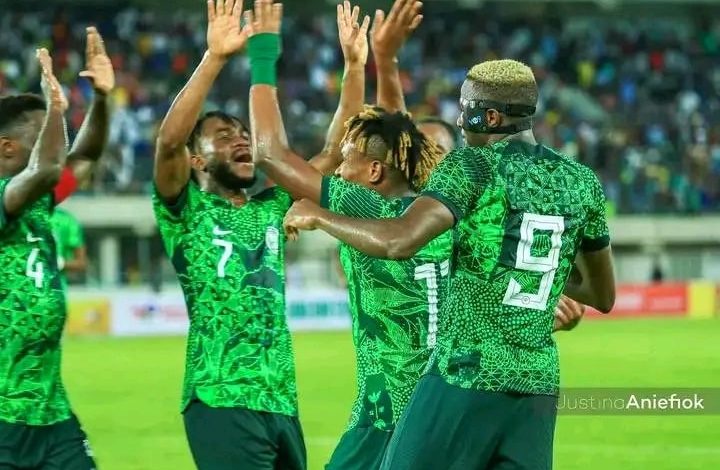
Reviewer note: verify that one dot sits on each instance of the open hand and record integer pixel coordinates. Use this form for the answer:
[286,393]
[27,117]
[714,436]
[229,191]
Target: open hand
[568,314]
[303,215]
[389,34]
[224,35]
[51,88]
[266,18]
[98,67]
[353,36]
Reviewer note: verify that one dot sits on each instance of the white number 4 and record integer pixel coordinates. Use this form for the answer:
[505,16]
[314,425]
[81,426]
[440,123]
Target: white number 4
[428,273]
[34,268]
[227,249]
[541,264]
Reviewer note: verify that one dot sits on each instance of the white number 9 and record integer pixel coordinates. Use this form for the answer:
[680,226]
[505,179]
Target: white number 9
[541,264]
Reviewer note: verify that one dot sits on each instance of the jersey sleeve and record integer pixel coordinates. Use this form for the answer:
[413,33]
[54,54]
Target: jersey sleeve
[459,180]
[597,234]
[178,211]
[351,199]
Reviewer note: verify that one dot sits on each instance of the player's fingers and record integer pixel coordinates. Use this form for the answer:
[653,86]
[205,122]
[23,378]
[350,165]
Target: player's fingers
[415,23]
[219,8]
[355,15]
[396,8]
[258,14]
[378,21]
[340,19]
[98,41]
[267,7]
[277,12]
[365,25]
[346,11]
[211,10]
[248,20]
[237,8]
[561,316]
[404,14]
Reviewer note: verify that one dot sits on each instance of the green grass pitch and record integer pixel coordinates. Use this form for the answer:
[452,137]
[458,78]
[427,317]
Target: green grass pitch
[126,392]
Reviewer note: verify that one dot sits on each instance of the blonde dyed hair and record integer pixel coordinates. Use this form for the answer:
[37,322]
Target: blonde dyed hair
[506,81]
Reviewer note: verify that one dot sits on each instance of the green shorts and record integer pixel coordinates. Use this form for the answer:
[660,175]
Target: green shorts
[453,428]
[59,446]
[232,438]
[360,448]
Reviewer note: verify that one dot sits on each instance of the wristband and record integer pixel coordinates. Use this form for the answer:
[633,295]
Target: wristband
[264,51]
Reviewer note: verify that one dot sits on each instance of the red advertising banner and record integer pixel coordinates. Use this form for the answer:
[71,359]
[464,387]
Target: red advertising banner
[667,299]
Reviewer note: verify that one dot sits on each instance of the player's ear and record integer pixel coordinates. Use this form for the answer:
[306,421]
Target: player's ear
[493,118]
[198,163]
[7,147]
[375,172]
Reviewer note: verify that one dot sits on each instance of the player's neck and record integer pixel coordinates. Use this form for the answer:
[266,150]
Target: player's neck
[237,197]
[393,191]
[526,136]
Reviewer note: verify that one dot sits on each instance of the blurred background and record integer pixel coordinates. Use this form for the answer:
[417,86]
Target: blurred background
[631,88]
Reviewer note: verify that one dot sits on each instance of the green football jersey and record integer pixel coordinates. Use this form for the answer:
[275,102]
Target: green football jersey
[230,262]
[32,317]
[68,235]
[394,307]
[523,213]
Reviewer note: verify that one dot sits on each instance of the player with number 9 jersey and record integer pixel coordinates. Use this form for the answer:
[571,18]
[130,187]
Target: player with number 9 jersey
[524,212]
[394,307]
[231,266]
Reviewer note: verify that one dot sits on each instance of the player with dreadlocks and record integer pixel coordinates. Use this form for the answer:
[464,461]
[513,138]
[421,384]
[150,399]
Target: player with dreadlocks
[394,305]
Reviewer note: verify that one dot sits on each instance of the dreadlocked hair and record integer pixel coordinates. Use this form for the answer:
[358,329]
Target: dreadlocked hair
[394,139]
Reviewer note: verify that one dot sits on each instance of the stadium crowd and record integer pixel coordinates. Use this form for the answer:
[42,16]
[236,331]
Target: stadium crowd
[638,101]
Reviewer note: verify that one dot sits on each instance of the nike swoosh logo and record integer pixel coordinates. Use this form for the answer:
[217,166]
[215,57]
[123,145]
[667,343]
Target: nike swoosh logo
[32,239]
[220,232]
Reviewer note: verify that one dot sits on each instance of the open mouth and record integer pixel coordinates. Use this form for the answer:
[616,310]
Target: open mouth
[242,156]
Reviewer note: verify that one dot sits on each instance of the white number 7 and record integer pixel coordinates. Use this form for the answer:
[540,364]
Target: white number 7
[227,251]
[428,273]
[541,264]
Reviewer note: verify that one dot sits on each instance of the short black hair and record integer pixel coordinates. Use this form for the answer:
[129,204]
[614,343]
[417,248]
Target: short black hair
[14,107]
[452,130]
[225,117]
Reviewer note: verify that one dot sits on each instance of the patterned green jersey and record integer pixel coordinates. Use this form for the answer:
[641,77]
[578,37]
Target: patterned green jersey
[394,306]
[523,213]
[230,262]
[32,317]
[68,235]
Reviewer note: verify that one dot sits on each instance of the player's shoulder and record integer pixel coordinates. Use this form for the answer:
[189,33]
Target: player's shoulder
[580,169]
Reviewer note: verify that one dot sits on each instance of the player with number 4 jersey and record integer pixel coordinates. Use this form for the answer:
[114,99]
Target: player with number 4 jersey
[38,428]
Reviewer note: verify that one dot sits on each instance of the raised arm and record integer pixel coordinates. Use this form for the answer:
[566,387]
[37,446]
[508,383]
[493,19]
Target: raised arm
[388,36]
[92,137]
[270,147]
[48,154]
[172,157]
[354,44]
[398,238]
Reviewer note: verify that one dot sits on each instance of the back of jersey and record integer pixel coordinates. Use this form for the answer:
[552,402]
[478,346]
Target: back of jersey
[523,213]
